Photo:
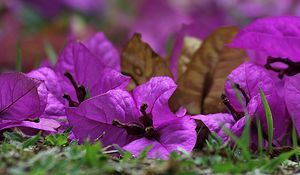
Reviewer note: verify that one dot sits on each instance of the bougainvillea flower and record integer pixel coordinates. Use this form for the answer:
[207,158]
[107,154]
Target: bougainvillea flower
[216,122]
[156,32]
[80,72]
[135,120]
[248,9]
[246,81]
[277,37]
[55,102]
[21,105]
[292,99]
[103,49]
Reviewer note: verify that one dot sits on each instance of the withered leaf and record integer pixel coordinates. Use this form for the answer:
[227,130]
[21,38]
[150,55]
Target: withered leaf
[229,59]
[141,62]
[211,60]
[190,46]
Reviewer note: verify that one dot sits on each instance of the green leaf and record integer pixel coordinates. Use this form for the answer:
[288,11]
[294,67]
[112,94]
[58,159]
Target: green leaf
[13,136]
[57,139]
[91,152]
[19,58]
[31,141]
[272,164]
[269,119]
[145,152]
[51,53]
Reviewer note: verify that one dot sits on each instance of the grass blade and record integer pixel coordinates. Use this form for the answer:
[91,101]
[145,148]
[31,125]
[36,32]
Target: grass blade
[269,119]
[278,160]
[31,141]
[51,54]
[19,58]
[239,142]
[259,137]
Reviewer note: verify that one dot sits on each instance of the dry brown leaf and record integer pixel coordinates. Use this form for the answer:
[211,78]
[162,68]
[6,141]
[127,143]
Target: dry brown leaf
[195,83]
[229,59]
[190,46]
[141,62]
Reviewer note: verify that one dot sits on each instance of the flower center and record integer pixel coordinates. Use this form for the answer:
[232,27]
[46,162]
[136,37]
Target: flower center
[142,128]
[79,89]
[236,115]
[292,68]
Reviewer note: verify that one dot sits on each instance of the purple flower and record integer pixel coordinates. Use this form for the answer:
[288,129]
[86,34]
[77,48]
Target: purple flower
[156,32]
[135,120]
[274,43]
[270,37]
[246,80]
[54,91]
[21,104]
[82,71]
[103,49]
[292,99]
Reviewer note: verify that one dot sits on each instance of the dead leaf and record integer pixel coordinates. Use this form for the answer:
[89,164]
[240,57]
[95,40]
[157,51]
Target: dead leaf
[211,60]
[190,46]
[141,62]
[229,60]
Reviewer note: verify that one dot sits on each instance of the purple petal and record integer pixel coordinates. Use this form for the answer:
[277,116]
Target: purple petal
[156,93]
[55,104]
[175,134]
[44,125]
[109,79]
[250,77]
[19,98]
[87,70]
[292,99]
[103,49]
[216,122]
[94,117]
[168,20]
[273,36]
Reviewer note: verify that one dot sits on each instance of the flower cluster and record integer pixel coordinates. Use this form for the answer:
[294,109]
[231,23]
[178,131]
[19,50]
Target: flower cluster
[85,90]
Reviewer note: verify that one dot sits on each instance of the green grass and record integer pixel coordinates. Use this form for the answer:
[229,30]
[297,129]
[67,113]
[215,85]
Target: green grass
[269,119]
[18,57]
[52,155]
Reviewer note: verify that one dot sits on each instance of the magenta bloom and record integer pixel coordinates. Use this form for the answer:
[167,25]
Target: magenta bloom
[21,105]
[247,79]
[167,21]
[51,87]
[270,37]
[89,68]
[292,99]
[274,43]
[135,120]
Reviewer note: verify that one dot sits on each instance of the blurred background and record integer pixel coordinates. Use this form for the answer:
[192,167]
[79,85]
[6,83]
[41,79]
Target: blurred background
[41,28]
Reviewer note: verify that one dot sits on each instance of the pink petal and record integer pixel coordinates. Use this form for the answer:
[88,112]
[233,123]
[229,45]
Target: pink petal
[94,117]
[156,93]
[103,49]
[19,98]
[175,134]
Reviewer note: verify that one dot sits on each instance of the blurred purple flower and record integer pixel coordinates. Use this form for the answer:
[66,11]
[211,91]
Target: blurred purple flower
[157,21]
[245,81]
[135,120]
[54,7]
[249,9]
[21,105]
[270,37]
